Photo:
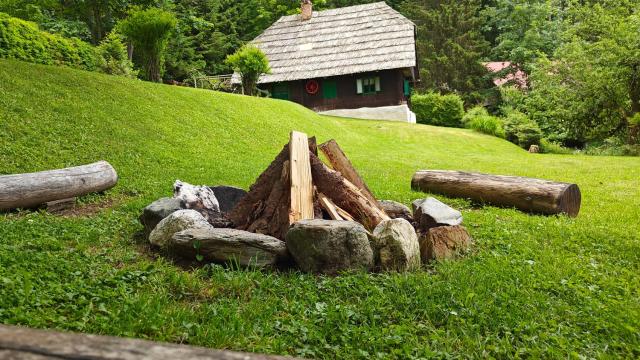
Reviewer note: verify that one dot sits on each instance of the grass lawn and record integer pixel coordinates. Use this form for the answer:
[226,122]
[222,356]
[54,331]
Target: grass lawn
[535,286]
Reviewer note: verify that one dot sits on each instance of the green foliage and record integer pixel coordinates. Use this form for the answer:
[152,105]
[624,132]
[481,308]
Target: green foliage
[149,31]
[519,129]
[437,109]
[550,147]
[473,113]
[113,58]
[450,45]
[249,62]
[487,124]
[23,40]
[525,291]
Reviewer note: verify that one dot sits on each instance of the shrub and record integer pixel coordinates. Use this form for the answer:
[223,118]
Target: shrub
[521,130]
[473,113]
[550,147]
[436,109]
[487,124]
[23,40]
[113,58]
[250,62]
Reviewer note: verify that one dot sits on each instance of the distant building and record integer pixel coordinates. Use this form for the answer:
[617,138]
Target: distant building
[517,78]
[345,58]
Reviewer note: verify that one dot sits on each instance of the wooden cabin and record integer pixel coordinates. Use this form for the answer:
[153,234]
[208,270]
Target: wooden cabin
[345,58]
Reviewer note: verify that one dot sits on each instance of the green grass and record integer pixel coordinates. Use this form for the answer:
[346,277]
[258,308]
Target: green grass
[534,286]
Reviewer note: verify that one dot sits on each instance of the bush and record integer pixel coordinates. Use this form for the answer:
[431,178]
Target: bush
[521,130]
[23,40]
[487,124]
[113,58]
[550,147]
[436,109]
[473,113]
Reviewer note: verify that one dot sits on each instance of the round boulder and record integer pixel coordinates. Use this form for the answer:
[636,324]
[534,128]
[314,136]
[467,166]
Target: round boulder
[329,246]
[396,245]
[158,210]
[176,222]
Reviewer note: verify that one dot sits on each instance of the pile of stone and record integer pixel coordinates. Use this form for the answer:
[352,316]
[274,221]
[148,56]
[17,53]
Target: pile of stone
[302,213]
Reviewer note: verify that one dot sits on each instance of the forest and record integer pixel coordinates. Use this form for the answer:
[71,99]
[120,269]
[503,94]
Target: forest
[581,57]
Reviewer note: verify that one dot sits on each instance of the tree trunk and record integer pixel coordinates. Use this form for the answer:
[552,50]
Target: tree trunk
[527,194]
[345,195]
[29,190]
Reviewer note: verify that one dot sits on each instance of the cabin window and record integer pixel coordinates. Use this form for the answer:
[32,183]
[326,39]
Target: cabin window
[329,89]
[368,85]
[280,91]
[407,87]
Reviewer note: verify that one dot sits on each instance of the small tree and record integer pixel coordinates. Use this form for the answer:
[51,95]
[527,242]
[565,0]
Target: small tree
[148,31]
[113,58]
[250,62]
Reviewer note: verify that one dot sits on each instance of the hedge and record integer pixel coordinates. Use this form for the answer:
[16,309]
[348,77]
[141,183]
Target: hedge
[23,40]
[436,109]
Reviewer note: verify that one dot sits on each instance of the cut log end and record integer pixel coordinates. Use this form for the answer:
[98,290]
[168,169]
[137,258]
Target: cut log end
[570,200]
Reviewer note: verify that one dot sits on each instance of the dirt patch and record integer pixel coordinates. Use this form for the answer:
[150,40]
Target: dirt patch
[84,210]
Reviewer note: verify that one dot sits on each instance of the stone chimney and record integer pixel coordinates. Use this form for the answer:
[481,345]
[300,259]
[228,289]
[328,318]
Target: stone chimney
[306,10]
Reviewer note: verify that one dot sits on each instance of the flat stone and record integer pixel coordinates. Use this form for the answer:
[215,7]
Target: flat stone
[229,245]
[156,211]
[329,246]
[444,242]
[431,212]
[396,246]
[396,210]
[176,222]
[228,196]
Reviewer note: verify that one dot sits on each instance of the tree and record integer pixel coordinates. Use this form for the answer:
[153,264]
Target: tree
[450,45]
[591,88]
[249,62]
[113,58]
[148,31]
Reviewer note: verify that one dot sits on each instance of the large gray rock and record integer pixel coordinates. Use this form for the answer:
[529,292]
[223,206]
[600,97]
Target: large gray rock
[396,245]
[229,245]
[176,222]
[444,242]
[329,246]
[197,197]
[156,211]
[396,210]
[431,212]
[228,196]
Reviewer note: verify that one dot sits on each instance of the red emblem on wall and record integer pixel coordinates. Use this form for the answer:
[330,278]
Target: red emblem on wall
[312,87]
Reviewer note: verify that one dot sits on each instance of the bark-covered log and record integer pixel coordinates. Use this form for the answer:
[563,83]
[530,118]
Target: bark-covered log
[527,194]
[29,190]
[345,195]
[30,344]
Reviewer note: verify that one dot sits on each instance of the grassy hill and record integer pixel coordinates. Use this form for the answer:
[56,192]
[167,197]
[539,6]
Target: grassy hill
[534,286]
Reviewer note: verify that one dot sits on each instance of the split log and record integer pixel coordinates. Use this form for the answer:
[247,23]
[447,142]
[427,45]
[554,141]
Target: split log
[527,194]
[58,206]
[341,163]
[30,344]
[301,184]
[345,195]
[33,189]
[272,217]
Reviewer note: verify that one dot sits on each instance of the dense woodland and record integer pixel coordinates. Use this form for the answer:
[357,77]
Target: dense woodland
[582,57]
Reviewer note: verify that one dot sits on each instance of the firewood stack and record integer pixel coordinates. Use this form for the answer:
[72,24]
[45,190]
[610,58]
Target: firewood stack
[297,185]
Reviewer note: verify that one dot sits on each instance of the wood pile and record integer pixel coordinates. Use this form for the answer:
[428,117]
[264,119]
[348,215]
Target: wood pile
[298,185]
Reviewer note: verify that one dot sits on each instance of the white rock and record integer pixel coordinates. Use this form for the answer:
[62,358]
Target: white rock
[396,245]
[176,222]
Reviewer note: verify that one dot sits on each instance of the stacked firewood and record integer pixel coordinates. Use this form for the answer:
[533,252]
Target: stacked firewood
[297,185]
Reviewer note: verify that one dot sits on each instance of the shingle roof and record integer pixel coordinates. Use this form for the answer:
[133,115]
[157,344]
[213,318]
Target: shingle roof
[346,40]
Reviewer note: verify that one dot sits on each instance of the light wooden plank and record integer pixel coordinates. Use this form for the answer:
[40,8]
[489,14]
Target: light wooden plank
[301,182]
[329,206]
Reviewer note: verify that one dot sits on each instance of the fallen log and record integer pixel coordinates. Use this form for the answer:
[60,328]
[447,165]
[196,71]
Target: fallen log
[33,189]
[345,195]
[527,194]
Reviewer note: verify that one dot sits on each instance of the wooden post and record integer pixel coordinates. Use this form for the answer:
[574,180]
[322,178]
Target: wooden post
[29,190]
[301,184]
[528,194]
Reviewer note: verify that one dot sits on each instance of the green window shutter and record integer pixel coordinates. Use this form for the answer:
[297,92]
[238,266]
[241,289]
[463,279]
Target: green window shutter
[359,86]
[280,91]
[407,88]
[329,89]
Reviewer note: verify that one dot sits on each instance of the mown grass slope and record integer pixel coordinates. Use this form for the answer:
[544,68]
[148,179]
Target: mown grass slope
[534,286]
